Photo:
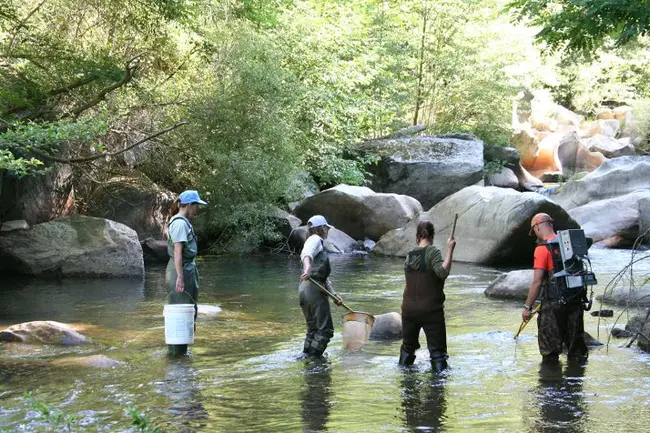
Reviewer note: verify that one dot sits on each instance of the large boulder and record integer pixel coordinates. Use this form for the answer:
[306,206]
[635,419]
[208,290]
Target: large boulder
[610,147]
[133,200]
[527,143]
[76,246]
[617,229]
[504,178]
[428,168]
[38,199]
[511,285]
[337,242]
[563,152]
[640,325]
[513,174]
[616,177]
[387,327]
[492,228]
[623,296]
[285,222]
[359,211]
[43,332]
[154,251]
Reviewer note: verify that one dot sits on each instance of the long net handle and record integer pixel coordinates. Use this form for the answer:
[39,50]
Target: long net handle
[523,324]
[453,227]
[330,294]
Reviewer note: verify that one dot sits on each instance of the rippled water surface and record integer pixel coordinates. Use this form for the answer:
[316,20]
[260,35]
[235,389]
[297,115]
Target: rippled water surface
[242,376]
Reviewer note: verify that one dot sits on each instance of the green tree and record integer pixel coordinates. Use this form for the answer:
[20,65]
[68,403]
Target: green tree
[585,25]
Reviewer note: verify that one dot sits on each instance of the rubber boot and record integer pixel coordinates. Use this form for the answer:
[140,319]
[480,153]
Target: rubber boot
[304,355]
[439,365]
[438,360]
[553,358]
[315,353]
[177,349]
[406,358]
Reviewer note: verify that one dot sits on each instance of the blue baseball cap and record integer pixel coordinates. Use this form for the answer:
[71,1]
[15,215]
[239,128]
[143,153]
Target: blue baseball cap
[318,221]
[190,196]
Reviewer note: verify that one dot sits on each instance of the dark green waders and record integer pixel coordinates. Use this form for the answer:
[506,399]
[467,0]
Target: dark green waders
[316,308]
[190,276]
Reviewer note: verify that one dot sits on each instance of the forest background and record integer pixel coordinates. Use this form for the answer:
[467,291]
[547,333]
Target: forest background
[244,97]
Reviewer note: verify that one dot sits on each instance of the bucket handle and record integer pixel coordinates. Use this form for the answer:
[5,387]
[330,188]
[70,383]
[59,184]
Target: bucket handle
[187,293]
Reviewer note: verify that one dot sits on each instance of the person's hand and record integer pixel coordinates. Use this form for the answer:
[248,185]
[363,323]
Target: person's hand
[306,270]
[526,315]
[180,284]
[451,243]
[338,300]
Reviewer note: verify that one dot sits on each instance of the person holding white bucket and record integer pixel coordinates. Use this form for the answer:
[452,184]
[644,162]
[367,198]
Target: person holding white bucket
[313,301]
[424,298]
[182,276]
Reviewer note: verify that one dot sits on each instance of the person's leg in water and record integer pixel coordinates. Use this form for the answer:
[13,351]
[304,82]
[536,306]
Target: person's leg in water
[188,296]
[309,319]
[324,326]
[436,333]
[574,334]
[410,343]
[549,333]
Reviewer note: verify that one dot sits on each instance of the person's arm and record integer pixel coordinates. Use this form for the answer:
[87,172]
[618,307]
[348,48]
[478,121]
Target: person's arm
[436,263]
[451,244]
[178,264]
[533,294]
[306,268]
[309,251]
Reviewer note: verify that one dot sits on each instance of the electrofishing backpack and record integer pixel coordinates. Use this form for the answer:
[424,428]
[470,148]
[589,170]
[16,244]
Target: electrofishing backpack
[572,273]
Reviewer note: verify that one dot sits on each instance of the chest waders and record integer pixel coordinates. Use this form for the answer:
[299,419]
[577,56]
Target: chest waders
[316,307]
[560,320]
[423,308]
[190,277]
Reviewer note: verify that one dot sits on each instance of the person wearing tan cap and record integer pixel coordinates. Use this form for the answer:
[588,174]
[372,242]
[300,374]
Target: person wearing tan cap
[560,322]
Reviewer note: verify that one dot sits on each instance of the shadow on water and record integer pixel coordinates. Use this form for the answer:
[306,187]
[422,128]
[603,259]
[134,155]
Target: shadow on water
[315,397]
[559,396]
[181,387]
[423,401]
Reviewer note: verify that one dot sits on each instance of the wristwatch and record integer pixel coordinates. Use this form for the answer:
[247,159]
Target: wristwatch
[529,308]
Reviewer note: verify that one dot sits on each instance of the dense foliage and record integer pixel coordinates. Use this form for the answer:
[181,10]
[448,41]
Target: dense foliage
[271,89]
[586,25]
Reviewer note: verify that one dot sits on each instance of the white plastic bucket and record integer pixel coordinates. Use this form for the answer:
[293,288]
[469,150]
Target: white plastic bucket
[179,323]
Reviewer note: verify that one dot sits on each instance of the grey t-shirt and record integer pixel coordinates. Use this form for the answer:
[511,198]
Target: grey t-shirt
[178,231]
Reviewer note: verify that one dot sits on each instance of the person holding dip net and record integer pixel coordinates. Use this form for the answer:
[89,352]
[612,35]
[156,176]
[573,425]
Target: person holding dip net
[313,301]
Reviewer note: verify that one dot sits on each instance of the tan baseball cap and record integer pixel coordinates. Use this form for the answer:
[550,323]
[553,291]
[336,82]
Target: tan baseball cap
[538,219]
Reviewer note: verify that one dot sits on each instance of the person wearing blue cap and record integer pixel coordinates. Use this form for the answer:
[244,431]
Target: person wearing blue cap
[313,302]
[182,276]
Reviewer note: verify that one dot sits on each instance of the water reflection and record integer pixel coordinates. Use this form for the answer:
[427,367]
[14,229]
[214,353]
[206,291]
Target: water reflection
[423,402]
[69,300]
[560,398]
[182,389]
[315,398]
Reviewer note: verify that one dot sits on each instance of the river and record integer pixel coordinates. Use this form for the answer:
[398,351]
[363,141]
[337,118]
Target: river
[242,374]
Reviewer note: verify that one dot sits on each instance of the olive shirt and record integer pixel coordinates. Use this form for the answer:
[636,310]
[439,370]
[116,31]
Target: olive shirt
[434,260]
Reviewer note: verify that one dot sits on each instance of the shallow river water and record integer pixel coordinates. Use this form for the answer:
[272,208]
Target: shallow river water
[242,374]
